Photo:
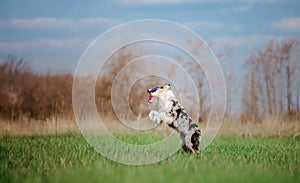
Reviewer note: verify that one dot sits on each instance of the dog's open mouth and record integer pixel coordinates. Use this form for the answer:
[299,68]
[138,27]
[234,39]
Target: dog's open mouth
[150,99]
[151,91]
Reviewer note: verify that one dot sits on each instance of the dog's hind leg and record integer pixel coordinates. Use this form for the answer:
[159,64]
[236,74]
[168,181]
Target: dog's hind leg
[183,143]
[196,140]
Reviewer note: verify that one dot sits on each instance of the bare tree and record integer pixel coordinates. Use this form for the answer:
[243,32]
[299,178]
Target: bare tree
[271,73]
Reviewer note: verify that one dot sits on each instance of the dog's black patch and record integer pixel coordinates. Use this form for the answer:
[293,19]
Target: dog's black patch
[178,111]
[172,113]
[186,149]
[184,114]
[172,125]
[195,141]
[174,103]
[193,126]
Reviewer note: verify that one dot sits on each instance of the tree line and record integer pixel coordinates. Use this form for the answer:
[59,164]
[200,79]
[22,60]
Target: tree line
[270,88]
[271,84]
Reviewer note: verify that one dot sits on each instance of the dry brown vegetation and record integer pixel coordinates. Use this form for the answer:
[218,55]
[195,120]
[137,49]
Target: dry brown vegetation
[31,102]
[28,95]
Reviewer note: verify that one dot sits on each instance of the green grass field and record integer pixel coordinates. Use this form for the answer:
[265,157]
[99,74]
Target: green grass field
[69,158]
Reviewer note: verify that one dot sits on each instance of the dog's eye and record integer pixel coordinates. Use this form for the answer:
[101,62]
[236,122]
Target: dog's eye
[161,87]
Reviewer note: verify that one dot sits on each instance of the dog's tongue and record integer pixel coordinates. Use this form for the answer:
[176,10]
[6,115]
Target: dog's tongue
[150,99]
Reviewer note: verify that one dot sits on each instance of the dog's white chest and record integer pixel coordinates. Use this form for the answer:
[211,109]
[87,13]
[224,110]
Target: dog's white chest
[164,105]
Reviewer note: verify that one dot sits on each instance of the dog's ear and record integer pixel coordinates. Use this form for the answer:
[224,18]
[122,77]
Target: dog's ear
[167,86]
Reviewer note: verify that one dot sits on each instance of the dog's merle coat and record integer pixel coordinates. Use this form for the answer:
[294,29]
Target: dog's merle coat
[173,114]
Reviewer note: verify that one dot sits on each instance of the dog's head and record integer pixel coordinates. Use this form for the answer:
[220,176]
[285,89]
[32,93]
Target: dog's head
[159,91]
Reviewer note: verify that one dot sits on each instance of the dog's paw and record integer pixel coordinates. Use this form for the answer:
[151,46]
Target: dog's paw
[154,115]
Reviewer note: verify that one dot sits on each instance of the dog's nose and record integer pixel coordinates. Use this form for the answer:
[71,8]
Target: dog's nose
[148,91]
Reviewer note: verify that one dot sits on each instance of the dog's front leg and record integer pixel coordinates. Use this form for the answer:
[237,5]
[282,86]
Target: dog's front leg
[161,117]
[156,117]
[168,120]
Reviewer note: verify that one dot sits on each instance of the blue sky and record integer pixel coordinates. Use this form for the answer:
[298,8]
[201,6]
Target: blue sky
[52,35]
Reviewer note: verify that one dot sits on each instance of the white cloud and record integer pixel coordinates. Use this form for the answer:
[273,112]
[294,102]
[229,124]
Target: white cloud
[289,24]
[247,5]
[159,2]
[57,23]
[253,41]
[213,26]
[42,43]
[64,26]
[153,2]
[42,22]
[242,8]
[98,20]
